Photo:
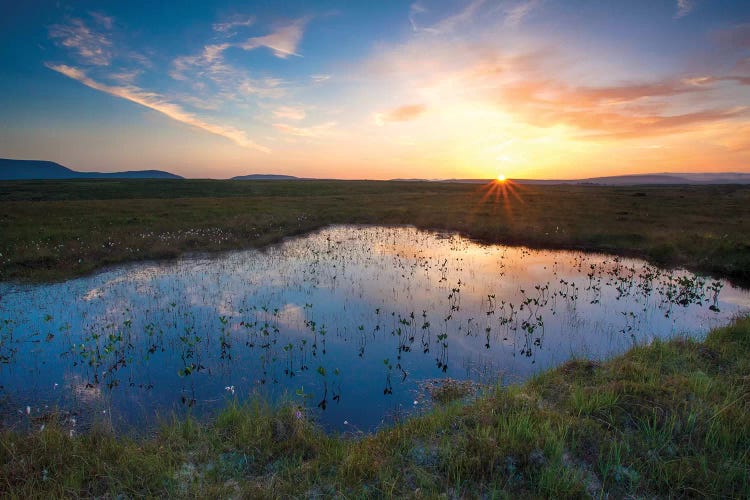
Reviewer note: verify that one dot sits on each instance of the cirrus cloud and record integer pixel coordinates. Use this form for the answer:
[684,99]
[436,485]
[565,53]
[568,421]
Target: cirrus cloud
[282,42]
[90,46]
[157,103]
[400,114]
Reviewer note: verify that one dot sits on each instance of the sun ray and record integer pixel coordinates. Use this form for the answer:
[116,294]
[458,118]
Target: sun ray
[502,190]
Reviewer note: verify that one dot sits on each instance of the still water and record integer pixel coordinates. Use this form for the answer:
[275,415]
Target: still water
[349,321]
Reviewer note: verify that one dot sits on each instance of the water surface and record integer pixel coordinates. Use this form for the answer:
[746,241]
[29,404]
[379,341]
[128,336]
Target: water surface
[348,321]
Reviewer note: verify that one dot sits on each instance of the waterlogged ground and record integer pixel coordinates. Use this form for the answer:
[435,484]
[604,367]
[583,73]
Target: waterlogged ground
[349,321]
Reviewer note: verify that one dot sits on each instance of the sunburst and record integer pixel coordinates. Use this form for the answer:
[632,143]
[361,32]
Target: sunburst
[502,190]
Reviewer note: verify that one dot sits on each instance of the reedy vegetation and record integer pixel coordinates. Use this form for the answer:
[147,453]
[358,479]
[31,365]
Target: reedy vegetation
[59,229]
[666,419]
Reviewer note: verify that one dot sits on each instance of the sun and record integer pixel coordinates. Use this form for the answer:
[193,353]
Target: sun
[501,178]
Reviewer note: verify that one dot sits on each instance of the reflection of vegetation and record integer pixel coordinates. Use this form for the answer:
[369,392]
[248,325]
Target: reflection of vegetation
[57,229]
[669,419]
[151,331]
[447,390]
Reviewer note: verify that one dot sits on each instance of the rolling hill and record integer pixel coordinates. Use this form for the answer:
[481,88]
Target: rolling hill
[36,169]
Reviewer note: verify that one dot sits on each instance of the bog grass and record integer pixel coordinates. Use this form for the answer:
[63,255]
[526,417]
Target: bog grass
[671,419]
[57,229]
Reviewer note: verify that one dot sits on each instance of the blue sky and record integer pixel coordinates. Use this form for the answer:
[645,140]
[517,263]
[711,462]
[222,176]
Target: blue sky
[452,88]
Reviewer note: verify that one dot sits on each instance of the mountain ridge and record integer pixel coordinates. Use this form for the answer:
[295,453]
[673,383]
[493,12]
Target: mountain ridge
[11,169]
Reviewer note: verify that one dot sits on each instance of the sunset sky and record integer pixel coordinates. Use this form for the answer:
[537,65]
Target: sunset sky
[378,90]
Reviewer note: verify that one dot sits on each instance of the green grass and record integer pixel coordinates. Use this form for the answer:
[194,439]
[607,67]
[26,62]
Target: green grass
[58,229]
[666,420]
[671,419]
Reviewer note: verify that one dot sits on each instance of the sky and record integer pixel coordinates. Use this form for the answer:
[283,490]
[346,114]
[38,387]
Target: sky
[377,90]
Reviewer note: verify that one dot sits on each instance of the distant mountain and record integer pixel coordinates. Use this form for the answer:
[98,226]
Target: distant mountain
[34,169]
[265,177]
[665,178]
[626,180]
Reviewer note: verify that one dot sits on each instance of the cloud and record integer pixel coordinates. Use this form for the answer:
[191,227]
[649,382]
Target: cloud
[537,89]
[684,7]
[289,113]
[209,62]
[102,20]
[414,9]
[157,103]
[624,111]
[400,114]
[209,69]
[234,22]
[320,78]
[283,42]
[92,47]
[711,80]
[515,15]
[310,132]
[446,25]
[125,77]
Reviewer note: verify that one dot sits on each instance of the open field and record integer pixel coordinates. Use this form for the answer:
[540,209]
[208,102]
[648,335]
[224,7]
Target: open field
[58,229]
[669,419]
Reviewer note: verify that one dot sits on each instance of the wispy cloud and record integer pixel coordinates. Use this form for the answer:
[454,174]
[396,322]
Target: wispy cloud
[414,9]
[157,103]
[125,77]
[400,114]
[289,113]
[320,78]
[102,20]
[515,15]
[228,26]
[283,42]
[90,46]
[536,90]
[626,110]
[447,24]
[684,7]
[208,62]
[210,67]
[309,132]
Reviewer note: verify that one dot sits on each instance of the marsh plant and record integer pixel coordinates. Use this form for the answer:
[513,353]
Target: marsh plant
[358,318]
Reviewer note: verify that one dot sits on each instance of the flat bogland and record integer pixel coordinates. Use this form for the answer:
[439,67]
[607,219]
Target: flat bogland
[58,229]
[666,419]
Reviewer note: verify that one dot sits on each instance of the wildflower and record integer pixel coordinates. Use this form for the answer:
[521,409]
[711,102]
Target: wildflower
[346,422]
[416,402]
[28,410]
[298,415]
[229,388]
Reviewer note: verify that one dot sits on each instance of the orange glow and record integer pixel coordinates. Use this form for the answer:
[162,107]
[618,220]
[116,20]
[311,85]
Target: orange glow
[504,192]
[501,178]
